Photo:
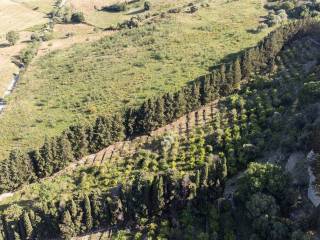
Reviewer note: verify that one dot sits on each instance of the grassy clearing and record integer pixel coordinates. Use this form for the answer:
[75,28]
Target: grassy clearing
[44,6]
[15,16]
[79,83]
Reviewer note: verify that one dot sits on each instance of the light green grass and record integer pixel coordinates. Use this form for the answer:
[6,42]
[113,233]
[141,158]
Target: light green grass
[44,6]
[123,70]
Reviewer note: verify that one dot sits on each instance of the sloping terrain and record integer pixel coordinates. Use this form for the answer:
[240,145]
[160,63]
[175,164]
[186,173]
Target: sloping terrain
[173,186]
[121,71]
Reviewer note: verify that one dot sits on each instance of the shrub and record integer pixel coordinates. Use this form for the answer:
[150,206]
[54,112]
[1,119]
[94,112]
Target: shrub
[147,6]
[77,17]
[288,5]
[119,7]
[34,37]
[12,37]
[47,36]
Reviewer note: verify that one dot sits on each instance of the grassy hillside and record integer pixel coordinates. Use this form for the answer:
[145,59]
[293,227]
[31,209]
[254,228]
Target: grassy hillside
[124,69]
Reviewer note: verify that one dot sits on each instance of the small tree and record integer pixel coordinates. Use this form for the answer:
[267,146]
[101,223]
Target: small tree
[12,37]
[147,6]
[77,17]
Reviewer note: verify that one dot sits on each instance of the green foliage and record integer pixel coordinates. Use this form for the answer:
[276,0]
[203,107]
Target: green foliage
[118,7]
[12,37]
[77,17]
[264,178]
[147,6]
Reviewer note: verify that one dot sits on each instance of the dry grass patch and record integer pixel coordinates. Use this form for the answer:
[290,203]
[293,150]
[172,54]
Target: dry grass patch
[17,17]
[44,6]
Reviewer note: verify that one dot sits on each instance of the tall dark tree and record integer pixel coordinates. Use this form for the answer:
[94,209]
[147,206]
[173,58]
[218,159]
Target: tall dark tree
[159,117]
[169,107]
[78,139]
[66,226]
[27,225]
[64,153]
[46,160]
[88,221]
[179,104]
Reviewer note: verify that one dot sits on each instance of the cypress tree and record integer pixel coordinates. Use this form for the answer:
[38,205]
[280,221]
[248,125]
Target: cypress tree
[101,134]
[64,152]
[146,117]
[14,174]
[222,167]
[27,225]
[46,155]
[159,117]
[8,232]
[130,122]
[96,210]
[222,73]
[87,213]
[179,104]
[117,128]
[207,86]
[90,138]
[39,163]
[158,195]
[247,64]
[73,209]
[230,77]
[78,139]
[66,226]
[237,72]
[169,107]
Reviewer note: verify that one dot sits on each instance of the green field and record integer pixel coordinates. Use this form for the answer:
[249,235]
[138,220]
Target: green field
[122,70]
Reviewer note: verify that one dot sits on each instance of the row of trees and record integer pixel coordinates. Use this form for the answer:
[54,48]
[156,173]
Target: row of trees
[153,113]
[145,198]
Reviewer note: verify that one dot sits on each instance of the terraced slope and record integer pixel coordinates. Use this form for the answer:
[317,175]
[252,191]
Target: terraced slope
[263,117]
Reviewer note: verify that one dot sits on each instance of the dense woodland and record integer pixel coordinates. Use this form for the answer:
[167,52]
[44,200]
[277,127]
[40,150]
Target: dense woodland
[176,189]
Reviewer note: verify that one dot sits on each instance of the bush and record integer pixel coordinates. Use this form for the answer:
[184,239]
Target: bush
[34,37]
[47,36]
[147,6]
[287,5]
[119,7]
[77,17]
[12,37]
[29,53]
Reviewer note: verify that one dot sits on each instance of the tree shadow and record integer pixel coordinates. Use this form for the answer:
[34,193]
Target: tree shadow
[4,45]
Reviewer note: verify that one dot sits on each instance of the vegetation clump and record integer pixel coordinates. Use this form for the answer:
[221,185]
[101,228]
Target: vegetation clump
[77,17]
[12,37]
[118,7]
